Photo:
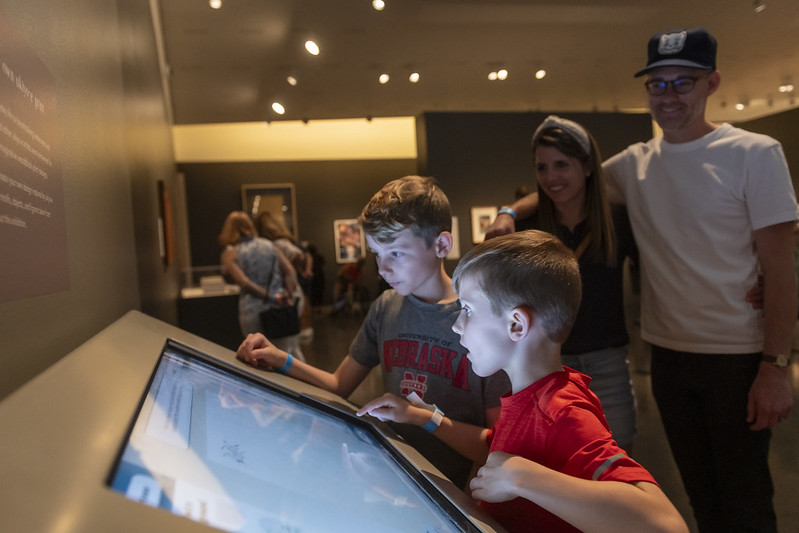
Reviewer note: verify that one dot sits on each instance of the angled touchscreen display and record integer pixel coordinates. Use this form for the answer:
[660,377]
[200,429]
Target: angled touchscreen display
[215,446]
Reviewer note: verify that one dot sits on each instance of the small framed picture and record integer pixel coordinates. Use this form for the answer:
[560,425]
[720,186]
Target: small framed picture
[276,198]
[350,244]
[482,217]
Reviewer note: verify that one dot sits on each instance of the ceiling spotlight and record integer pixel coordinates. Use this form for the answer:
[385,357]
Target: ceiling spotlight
[277,108]
[759,6]
[383,79]
[215,4]
[312,48]
[378,5]
[740,107]
[291,80]
[414,77]
[787,88]
[540,74]
[502,74]
[492,76]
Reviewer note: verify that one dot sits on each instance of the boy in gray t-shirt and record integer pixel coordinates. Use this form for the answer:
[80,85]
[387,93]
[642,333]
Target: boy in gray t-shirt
[408,329]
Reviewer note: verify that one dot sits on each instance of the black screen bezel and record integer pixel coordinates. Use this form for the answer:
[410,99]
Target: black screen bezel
[427,487]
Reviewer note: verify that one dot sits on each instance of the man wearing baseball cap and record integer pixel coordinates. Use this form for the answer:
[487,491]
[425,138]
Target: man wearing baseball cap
[712,207]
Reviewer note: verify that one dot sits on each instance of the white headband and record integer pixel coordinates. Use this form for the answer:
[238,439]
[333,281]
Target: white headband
[569,126]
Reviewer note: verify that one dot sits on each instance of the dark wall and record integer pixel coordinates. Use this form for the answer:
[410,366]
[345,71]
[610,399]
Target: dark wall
[324,191]
[150,160]
[478,158]
[481,158]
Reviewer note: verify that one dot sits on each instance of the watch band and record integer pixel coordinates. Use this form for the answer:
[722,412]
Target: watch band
[435,420]
[781,360]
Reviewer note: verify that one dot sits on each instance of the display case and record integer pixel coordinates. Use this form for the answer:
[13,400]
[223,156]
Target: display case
[209,306]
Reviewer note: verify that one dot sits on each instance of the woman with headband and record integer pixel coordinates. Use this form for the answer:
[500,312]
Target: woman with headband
[573,207]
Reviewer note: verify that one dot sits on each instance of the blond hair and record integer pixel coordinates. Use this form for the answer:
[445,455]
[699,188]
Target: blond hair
[236,227]
[272,227]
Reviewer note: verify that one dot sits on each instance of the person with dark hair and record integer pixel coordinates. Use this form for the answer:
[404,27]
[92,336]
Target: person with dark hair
[408,329]
[550,463]
[713,211]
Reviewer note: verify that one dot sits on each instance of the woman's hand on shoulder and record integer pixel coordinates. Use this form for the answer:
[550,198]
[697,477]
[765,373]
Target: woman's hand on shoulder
[502,225]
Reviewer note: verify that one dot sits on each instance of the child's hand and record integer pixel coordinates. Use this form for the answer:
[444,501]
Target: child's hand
[396,409]
[256,350]
[494,480]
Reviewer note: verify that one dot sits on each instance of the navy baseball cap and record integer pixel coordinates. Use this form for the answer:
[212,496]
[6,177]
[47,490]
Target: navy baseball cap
[694,48]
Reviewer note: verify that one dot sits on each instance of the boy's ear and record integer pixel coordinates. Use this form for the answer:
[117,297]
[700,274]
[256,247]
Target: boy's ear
[443,244]
[521,321]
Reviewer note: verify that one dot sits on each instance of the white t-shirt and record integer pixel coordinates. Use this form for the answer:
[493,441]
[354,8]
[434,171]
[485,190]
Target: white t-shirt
[694,208]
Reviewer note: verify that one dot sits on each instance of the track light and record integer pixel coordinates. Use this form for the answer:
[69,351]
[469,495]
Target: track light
[312,48]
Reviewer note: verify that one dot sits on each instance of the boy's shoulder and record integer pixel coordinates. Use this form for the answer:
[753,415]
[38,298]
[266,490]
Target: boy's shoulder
[392,300]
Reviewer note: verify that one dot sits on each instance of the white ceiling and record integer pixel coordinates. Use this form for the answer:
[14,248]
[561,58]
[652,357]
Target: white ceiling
[229,65]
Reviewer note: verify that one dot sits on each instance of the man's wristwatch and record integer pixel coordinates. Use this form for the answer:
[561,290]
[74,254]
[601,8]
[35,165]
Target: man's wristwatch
[779,360]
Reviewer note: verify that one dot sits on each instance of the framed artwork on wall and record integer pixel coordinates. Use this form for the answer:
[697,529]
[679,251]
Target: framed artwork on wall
[277,198]
[166,231]
[482,217]
[350,244]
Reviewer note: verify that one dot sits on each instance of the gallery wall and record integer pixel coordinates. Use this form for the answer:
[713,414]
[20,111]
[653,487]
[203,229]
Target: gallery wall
[478,158]
[324,191]
[114,145]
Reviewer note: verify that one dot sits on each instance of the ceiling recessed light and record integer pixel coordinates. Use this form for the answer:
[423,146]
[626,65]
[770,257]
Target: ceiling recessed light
[312,48]
[277,108]
[291,80]
[787,88]
[215,4]
[540,74]
[414,77]
[378,5]
[740,107]
[383,79]
[502,74]
[492,76]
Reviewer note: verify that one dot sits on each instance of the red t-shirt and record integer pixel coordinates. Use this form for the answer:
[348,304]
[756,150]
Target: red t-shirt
[557,422]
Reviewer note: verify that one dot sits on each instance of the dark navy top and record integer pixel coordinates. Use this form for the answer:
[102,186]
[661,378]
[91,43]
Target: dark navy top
[600,321]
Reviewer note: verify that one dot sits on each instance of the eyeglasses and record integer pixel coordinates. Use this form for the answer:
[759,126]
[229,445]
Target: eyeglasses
[682,85]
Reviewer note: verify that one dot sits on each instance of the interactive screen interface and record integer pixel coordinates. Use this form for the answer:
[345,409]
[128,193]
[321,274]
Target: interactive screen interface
[224,449]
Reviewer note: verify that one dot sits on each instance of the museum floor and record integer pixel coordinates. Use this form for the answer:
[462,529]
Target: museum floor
[331,343]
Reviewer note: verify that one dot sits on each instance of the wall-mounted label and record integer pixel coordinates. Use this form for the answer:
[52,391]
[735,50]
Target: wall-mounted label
[33,247]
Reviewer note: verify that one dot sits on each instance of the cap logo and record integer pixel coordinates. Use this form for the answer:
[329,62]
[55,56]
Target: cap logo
[672,43]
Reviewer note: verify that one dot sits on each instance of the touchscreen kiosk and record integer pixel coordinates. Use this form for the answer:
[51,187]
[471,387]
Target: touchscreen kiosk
[216,444]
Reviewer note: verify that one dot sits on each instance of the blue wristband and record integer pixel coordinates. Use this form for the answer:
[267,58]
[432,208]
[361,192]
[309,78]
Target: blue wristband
[507,211]
[287,365]
[434,421]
